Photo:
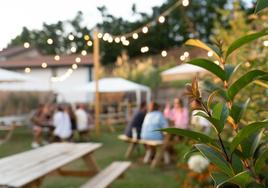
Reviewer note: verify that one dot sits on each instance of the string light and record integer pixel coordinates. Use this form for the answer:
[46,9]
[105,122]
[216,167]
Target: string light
[99,35]
[186,54]
[265,43]
[164,53]
[57,57]
[125,42]
[145,29]
[210,54]
[26,45]
[144,49]
[74,66]
[86,37]
[106,36]
[73,49]
[44,65]
[49,41]
[161,19]
[185,3]
[123,38]
[135,36]
[78,60]
[89,43]
[71,37]
[117,39]
[182,58]
[84,53]
[62,77]
[110,39]
[27,70]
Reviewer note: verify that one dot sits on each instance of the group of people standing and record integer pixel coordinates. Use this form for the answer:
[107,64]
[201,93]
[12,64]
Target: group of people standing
[145,123]
[53,123]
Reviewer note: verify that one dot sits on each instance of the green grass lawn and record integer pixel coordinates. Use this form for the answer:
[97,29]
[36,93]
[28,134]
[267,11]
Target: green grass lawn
[138,176]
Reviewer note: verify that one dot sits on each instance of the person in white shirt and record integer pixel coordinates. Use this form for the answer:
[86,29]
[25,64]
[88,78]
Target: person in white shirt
[82,123]
[62,123]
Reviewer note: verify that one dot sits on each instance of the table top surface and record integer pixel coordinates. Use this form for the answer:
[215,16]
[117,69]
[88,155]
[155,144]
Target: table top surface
[20,169]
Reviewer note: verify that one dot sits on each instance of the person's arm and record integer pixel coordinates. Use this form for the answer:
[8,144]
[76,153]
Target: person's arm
[163,122]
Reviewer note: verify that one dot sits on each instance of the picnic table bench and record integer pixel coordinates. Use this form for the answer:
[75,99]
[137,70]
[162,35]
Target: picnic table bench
[27,169]
[158,144]
[8,131]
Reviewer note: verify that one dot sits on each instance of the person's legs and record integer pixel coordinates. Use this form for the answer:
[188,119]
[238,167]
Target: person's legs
[37,133]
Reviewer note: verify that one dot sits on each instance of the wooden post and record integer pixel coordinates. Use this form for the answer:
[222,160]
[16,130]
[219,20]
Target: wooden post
[96,58]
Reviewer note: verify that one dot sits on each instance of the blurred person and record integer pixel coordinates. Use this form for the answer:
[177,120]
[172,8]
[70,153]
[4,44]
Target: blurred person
[133,129]
[73,118]
[178,114]
[62,124]
[82,122]
[153,121]
[37,120]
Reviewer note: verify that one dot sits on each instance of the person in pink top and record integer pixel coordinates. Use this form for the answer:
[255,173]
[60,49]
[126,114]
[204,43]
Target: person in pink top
[178,114]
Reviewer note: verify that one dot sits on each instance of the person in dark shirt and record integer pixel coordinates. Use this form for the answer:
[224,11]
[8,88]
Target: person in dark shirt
[135,124]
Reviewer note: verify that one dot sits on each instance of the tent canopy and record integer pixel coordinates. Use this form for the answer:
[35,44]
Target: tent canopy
[10,76]
[113,85]
[25,86]
[182,72]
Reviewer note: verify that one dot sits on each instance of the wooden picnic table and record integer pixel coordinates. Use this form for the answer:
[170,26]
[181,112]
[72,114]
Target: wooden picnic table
[27,169]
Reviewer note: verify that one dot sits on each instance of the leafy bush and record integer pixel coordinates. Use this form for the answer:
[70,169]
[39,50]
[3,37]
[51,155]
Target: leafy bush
[240,160]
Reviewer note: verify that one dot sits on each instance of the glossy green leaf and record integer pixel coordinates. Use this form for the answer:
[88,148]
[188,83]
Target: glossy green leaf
[230,71]
[246,132]
[190,134]
[210,66]
[237,110]
[261,4]
[237,164]
[202,45]
[216,158]
[244,80]
[240,179]
[250,144]
[244,40]
[218,178]
[220,113]
[261,161]
[214,122]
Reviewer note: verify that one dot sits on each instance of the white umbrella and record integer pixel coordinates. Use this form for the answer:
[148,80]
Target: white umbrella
[183,72]
[10,76]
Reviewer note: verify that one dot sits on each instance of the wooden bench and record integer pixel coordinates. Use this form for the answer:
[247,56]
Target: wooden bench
[8,131]
[157,144]
[29,168]
[108,175]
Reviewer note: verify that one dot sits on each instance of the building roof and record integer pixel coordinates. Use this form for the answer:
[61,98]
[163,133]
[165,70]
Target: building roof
[36,62]
[13,51]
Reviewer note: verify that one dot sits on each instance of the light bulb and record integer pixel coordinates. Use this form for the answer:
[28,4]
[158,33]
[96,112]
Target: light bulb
[161,19]
[145,29]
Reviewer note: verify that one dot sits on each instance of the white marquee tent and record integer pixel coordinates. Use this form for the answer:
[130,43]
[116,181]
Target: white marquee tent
[183,72]
[116,85]
[10,76]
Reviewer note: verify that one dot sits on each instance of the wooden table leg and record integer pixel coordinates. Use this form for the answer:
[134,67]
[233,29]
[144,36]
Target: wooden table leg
[35,184]
[158,156]
[91,163]
[130,149]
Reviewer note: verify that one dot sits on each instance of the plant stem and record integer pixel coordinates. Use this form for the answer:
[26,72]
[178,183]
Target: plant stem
[223,149]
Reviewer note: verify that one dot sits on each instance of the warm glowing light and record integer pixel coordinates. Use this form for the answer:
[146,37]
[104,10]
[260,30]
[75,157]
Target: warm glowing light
[185,3]
[106,37]
[217,62]
[78,60]
[26,45]
[182,58]
[86,37]
[161,19]
[186,54]
[117,39]
[135,36]
[125,42]
[164,53]
[145,29]
[44,65]
[110,39]
[123,38]
[74,66]
[210,54]
[27,70]
[49,41]
[57,57]
[99,35]
[71,37]
[84,53]
[89,43]
[144,49]
[73,49]
[265,43]
[247,64]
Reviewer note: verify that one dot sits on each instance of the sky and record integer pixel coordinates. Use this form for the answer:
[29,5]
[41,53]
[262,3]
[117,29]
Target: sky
[14,14]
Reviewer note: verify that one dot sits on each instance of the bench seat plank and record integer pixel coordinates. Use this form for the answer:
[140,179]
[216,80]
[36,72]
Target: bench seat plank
[26,167]
[108,175]
[146,142]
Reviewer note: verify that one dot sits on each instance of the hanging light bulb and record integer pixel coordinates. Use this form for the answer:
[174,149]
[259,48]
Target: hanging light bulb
[86,37]
[123,38]
[78,60]
[44,65]
[185,3]
[73,49]
[265,43]
[145,29]
[125,42]
[210,54]
[57,57]
[110,39]
[26,45]
[84,53]
[186,54]
[117,39]
[74,66]
[164,53]
[27,70]
[106,36]
[135,36]
[89,43]
[182,58]
[71,37]
[144,49]
[99,35]
[161,19]
[49,41]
